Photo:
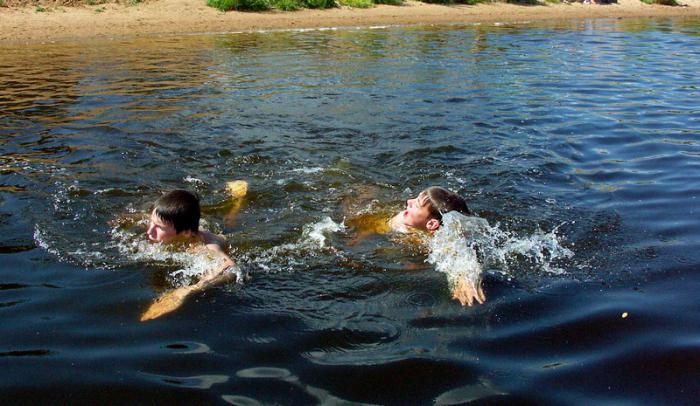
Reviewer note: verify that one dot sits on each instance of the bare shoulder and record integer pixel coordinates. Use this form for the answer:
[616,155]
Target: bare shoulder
[210,238]
[216,243]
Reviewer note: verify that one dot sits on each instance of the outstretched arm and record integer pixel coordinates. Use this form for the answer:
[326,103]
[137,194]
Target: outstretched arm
[173,299]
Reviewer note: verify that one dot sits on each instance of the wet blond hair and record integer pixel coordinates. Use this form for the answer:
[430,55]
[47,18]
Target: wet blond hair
[441,201]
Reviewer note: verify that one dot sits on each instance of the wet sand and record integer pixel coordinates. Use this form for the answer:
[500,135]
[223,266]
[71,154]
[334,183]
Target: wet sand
[171,17]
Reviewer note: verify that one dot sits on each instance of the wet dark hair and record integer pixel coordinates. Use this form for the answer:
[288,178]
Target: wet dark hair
[179,208]
[442,201]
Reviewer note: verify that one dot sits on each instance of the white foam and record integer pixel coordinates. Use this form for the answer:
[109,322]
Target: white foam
[193,180]
[42,242]
[191,263]
[315,233]
[83,253]
[293,255]
[454,247]
[306,170]
[451,249]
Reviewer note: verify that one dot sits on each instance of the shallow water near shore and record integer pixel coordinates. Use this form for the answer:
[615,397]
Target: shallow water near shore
[570,137]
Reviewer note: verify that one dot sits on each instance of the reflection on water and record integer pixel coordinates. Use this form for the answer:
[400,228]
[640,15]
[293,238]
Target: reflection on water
[576,143]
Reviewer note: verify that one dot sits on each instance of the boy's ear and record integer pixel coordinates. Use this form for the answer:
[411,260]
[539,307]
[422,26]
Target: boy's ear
[432,224]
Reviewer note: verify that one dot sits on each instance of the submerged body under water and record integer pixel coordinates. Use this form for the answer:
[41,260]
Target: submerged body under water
[575,144]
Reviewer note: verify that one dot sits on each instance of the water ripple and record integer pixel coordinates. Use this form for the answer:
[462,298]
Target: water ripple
[578,127]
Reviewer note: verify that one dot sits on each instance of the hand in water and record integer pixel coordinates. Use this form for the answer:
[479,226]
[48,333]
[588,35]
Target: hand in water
[238,190]
[467,292]
[167,303]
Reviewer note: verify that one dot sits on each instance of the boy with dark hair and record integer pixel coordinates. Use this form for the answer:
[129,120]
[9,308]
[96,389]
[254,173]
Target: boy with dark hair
[175,218]
[176,213]
[181,208]
[424,213]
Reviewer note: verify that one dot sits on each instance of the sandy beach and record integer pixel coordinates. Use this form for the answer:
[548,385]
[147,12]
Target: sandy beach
[170,17]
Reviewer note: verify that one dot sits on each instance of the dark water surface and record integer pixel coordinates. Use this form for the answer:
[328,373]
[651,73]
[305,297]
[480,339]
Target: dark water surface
[585,131]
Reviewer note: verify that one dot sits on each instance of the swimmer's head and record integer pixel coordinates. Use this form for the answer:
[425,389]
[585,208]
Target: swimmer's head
[175,213]
[425,211]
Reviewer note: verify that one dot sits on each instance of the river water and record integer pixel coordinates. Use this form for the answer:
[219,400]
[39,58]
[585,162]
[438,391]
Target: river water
[577,142]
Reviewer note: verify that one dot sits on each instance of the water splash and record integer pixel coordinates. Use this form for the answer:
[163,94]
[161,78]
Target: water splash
[453,252]
[86,254]
[192,262]
[463,245]
[194,181]
[296,254]
[42,241]
[314,235]
[309,170]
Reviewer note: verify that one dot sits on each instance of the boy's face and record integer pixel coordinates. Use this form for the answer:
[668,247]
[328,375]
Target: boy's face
[417,214]
[159,230]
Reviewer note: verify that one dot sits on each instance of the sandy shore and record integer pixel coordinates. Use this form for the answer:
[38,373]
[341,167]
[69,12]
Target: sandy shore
[193,16]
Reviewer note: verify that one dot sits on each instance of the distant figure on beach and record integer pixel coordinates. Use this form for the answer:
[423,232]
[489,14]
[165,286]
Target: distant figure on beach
[422,215]
[174,220]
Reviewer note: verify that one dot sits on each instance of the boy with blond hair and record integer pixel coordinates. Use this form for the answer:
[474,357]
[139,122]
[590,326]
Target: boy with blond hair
[423,214]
